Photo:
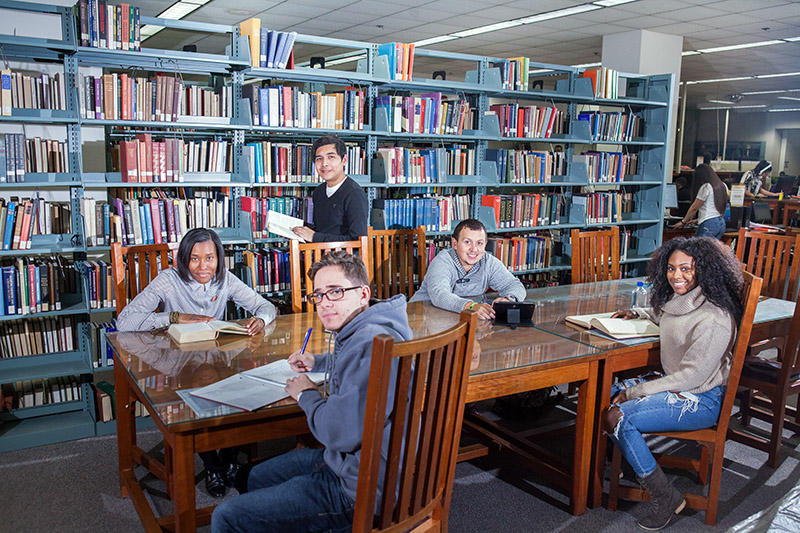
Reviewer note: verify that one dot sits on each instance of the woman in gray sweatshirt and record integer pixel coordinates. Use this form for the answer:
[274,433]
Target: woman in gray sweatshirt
[696,298]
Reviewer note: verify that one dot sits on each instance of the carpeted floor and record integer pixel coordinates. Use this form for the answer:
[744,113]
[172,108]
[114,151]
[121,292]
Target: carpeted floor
[74,487]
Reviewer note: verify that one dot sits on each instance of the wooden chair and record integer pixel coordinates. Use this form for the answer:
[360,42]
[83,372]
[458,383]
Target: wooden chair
[135,266]
[595,255]
[712,440]
[398,260]
[769,256]
[303,255]
[426,414]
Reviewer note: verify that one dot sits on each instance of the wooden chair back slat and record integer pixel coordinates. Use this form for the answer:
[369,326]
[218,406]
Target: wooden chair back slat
[303,255]
[771,257]
[429,386]
[595,255]
[398,260]
[134,267]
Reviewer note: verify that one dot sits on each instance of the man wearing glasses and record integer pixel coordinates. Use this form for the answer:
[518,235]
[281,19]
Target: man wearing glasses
[315,489]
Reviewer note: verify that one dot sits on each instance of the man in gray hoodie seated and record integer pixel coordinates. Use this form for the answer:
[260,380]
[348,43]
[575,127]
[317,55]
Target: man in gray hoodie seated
[315,489]
[457,277]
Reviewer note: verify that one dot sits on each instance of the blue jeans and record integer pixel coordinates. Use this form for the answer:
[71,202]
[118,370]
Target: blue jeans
[295,491]
[713,227]
[663,411]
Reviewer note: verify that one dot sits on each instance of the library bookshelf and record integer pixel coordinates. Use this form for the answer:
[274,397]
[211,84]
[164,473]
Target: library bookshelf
[467,166]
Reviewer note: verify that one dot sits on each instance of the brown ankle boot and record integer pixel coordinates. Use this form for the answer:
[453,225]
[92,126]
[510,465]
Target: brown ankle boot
[666,501]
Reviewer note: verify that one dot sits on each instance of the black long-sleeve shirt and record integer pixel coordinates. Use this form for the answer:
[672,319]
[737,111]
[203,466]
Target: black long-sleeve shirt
[343,216]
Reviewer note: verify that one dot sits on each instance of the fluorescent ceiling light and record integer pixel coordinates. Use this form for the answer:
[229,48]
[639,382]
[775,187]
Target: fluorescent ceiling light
[148,31]
[611,3]
[733,107]
[587,65]
[434,40]
[788,98]
[783,75]
[487,29]
[784,109]
[690,53]
[539,71]
[738,46]
[344,60]
[558,14]
[792,39]
[178,11]
[765,92]
[719,80]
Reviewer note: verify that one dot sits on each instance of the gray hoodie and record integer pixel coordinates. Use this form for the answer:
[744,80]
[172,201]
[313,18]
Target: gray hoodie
[338,420]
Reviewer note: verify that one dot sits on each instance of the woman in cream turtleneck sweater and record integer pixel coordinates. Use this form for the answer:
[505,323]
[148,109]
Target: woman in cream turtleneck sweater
[696,300]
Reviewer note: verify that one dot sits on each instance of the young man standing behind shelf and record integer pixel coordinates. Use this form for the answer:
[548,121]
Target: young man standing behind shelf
[340,204]
[315,489]
[466,270]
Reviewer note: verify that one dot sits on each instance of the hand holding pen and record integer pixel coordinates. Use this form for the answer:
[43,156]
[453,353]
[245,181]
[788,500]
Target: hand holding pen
[299,360]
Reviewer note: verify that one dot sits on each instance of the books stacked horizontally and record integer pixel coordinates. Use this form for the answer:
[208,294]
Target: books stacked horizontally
[282,106]
[103,25]
[35,91]
[253,389]
[268,48]
[528,121]
[35,285]
[426,113]
[400,57]
[20,220]
[619,328]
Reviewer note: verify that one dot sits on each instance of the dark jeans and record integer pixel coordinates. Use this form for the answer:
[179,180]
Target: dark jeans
[713,227]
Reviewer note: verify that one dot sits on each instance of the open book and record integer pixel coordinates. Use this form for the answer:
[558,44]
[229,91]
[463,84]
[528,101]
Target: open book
[203,331]
[619,328]
[253,389]
[282,225]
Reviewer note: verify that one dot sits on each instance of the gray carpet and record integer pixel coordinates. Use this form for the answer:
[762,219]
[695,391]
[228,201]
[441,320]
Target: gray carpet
[74,487]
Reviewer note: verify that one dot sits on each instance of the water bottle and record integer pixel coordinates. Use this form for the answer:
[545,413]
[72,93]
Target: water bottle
[639,295]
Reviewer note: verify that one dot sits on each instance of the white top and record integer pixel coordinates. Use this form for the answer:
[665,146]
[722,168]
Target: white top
[708,209]
[330,191]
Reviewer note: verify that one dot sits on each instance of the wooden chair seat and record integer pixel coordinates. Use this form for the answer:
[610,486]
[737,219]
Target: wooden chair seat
[767,370]
[711,440]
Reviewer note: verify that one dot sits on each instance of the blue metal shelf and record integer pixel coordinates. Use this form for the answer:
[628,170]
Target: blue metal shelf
[77,309]
[44,366]
[28,432]
[40,116]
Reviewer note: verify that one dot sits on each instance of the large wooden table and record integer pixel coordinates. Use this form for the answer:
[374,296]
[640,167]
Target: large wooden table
[149,368]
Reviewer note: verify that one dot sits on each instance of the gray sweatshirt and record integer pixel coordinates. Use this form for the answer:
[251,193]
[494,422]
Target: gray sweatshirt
[696,341]
[447,285]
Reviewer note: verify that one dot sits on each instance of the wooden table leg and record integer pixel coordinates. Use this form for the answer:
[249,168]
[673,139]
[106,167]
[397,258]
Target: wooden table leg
[582,455]
[599,459]
[126,424]
[183,483]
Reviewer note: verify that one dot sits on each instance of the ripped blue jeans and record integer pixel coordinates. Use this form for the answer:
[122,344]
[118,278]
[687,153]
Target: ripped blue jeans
[663,411]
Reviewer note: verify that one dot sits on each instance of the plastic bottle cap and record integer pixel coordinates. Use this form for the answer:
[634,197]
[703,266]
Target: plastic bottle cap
[640,283]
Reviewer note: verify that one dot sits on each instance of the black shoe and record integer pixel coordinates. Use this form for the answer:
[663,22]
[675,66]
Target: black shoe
[215,484]
[230,474]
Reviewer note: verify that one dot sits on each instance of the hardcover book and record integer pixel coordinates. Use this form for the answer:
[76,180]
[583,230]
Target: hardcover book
[203,331]
[619,328]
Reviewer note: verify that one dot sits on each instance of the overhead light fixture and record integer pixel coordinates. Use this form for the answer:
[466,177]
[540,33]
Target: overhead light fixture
[784,109]
[782,75]
[587,65]
[739,46]
[176,11]
[719,80]
[732,107]
[792,39]
[434,40]
[487,28]
[788,98]
[767,92]
[611,3]
[344,60]
[550,15]
[690,53]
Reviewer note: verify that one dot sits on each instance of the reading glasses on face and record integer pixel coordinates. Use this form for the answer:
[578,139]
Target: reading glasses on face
[333,294]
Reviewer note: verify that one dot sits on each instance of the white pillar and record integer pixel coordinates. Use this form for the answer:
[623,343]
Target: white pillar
[647,52]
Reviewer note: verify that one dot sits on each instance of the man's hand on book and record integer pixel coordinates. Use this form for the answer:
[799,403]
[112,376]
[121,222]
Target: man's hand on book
[305,232]
[301,361]
[254,325]
[299,384]
[187,318]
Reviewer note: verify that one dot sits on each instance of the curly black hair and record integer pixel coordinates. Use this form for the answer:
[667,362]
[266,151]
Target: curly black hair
[717,271]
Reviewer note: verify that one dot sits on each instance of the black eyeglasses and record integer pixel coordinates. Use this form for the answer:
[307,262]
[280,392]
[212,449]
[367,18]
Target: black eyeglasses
[333,295]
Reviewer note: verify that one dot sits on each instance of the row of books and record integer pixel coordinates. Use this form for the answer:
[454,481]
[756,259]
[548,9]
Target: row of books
[604,207]
[272,162]
[101,353]
[99,284]
[44,391]
[526,166]
[282,106]
[526,210]
[426,113]
[22,219]
[417,165]
[436,213]
[152,220]
[513,73]
[258,207]
[605,81]
[103,25]
[12,157]
[268,48]
[613,126]
[45,155]
[143,160]
[608,167]
[522,253]
[400,57]
[267,270]
[20,338]
[31,91]
[528,120]
[35,284]
[161,98]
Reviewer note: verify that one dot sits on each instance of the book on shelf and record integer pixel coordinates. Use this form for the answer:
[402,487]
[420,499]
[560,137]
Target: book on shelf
[23,90]
[102,25]
[268,48]
[203,331]
[400,59]
[43,391]
[255,388]
[619,328]
[605,81]
[265,270]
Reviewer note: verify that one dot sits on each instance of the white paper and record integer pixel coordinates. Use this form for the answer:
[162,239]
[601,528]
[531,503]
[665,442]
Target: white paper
[737,195]
[280,371]
[243,392]
[282,225]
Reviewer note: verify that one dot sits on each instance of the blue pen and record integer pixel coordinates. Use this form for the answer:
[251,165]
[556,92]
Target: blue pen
[305,342]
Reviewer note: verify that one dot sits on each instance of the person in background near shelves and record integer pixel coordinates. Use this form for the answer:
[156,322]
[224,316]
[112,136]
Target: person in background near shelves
[754,180]
[684,196]
[456,277]
[710,198]
[696,299]
[315,489]
[340,204]
[197,289]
